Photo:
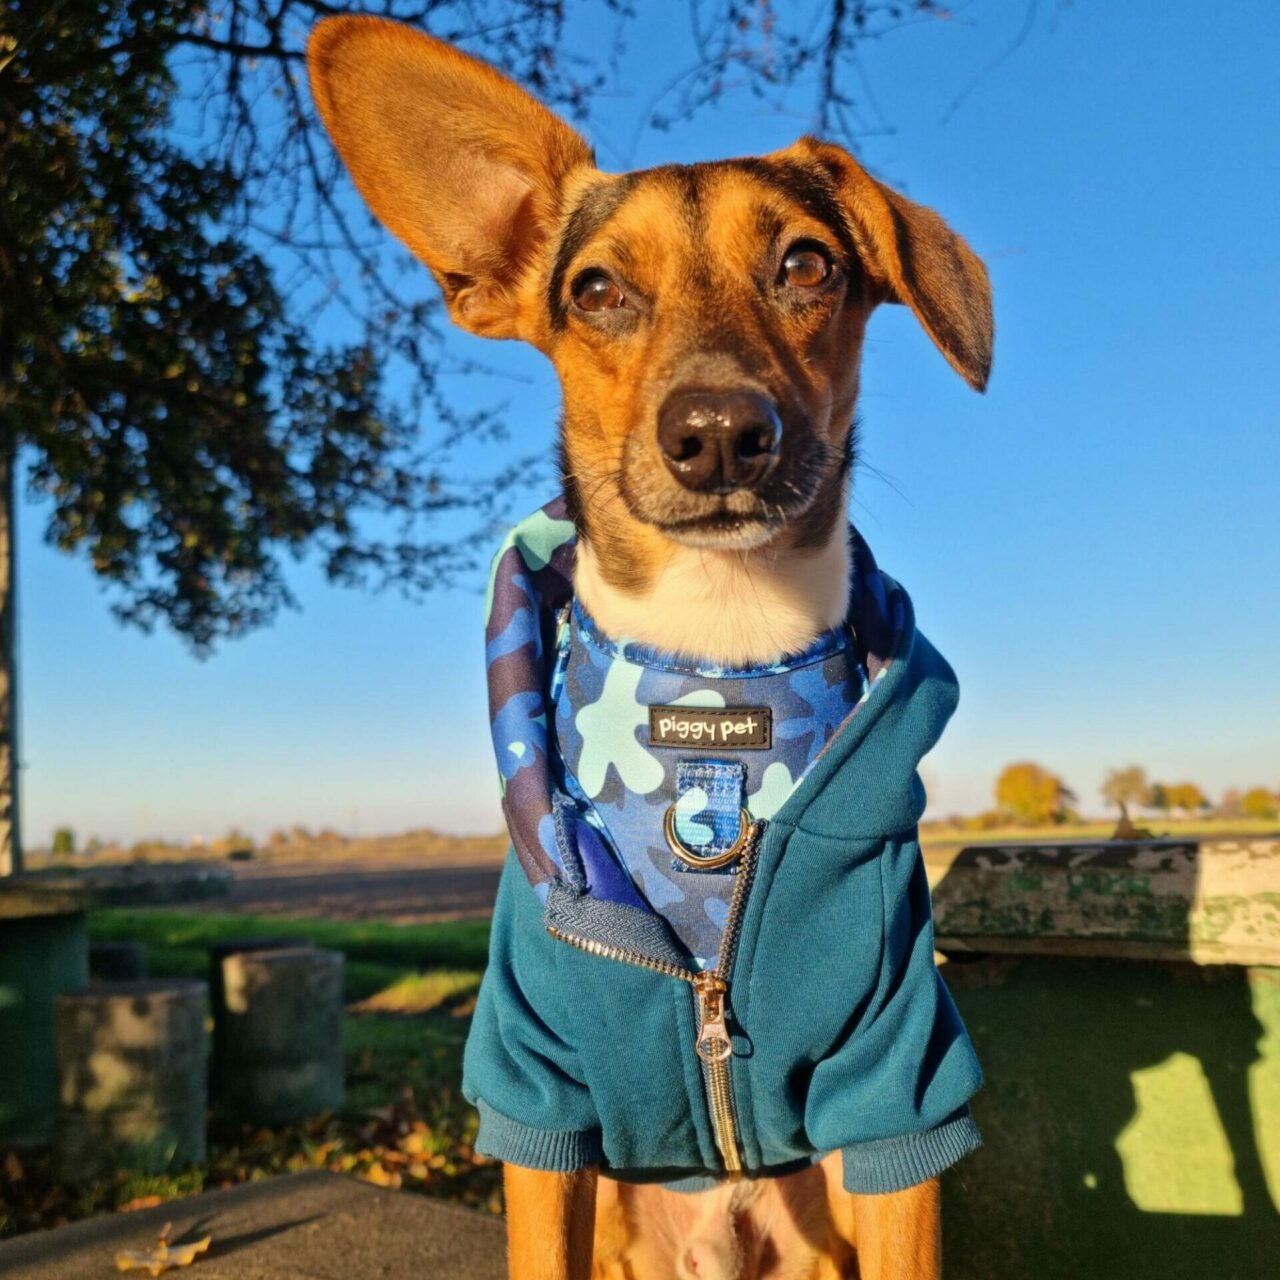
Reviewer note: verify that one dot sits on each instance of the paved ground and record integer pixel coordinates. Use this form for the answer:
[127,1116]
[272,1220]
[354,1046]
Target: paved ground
[403,894]
[368,890]
[306,1226]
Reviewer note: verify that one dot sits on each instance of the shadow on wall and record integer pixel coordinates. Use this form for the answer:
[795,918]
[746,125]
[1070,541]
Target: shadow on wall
[1131,1107]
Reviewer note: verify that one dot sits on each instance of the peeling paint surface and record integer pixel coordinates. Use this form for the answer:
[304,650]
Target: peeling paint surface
[1213,901]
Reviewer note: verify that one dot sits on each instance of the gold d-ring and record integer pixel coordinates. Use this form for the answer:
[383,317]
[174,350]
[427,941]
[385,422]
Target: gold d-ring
[691,859]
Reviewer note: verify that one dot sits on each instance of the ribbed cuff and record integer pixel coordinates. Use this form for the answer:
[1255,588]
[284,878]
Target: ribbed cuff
[894,1164]
[554,1150]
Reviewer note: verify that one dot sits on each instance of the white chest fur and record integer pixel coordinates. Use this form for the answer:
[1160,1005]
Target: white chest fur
[734,607]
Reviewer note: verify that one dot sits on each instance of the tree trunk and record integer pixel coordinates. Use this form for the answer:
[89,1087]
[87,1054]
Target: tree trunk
[10,842]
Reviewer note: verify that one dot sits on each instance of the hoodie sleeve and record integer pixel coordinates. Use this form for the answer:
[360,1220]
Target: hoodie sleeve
[518,1071]
[894,1097]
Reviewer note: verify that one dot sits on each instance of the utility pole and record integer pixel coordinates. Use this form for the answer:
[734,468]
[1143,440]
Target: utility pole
[10,830]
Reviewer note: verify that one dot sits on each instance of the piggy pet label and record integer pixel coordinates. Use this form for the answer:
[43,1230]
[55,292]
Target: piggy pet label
[713,728]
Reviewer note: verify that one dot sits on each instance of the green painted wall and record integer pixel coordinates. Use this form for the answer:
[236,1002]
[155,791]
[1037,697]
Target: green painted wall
[40,956]
[1131,1121]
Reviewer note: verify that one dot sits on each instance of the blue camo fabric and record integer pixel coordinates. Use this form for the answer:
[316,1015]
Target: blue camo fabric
[624,784]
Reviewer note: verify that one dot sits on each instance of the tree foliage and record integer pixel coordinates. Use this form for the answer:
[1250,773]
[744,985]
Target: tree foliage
[1260,803]
[178,412]
[64,842]
[1127,786]
[1187,797]
[1165,797]
[1030,793]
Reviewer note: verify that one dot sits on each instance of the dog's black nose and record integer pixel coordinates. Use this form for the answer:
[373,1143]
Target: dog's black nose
[719,441]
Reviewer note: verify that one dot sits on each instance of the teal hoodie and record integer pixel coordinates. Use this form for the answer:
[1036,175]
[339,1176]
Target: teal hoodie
[825,1025]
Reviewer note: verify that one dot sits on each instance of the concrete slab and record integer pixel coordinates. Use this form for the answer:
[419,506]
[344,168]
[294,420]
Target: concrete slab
[303,1226]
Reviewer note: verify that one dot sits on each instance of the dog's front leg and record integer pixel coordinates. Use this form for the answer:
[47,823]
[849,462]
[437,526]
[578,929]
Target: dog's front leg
[899,1236]
[550,1223]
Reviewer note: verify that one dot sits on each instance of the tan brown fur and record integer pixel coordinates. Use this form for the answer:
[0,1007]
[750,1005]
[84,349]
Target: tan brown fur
[459,162]
[800,1227]
[503,203]
[551,1223]
[777,1229]
[708,326]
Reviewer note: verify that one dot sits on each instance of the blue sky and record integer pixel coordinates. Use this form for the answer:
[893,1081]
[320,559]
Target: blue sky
[1095,544]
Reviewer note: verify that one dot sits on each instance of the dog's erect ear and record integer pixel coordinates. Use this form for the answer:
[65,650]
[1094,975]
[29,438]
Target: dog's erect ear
[458,161]
[918,260]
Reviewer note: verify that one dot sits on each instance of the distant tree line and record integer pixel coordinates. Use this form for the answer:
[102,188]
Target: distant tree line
[1131,786]
[1031,794]
[238,843]
[1026,794]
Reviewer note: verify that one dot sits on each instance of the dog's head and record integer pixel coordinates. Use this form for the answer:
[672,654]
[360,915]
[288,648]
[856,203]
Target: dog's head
[705,320]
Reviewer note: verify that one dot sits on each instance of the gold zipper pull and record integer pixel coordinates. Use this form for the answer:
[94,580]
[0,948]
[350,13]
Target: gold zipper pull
[714,1044]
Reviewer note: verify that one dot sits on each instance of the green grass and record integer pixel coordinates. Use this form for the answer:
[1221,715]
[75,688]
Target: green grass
[385,1056]
[378,955]
[438,989]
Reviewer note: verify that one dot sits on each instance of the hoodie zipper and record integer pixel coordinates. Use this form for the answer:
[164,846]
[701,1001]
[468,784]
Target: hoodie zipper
[711,989]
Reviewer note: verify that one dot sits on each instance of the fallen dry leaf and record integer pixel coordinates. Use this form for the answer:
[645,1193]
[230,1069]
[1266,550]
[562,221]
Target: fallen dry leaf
[160,1259]
[142,1202]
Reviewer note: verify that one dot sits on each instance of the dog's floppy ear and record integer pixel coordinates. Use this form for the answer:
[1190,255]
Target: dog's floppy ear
[458,161]
[918,260]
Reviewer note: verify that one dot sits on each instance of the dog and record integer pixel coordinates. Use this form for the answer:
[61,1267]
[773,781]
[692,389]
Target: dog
[706,324]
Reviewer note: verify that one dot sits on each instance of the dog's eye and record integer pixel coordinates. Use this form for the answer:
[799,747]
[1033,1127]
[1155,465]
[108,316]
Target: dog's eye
[596,292]
[805,266]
